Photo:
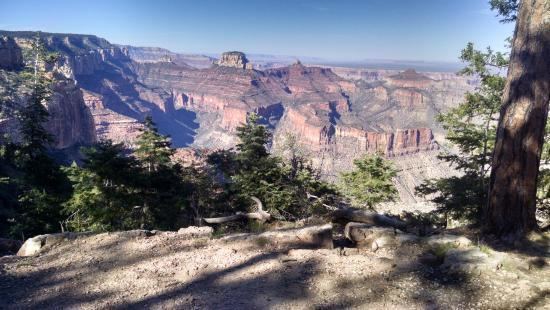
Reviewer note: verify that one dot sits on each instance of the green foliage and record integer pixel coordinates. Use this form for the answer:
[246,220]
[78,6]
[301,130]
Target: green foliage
[115,191]
[506,8]
[370,182]
[258,173]
[105,190]
[153,149]
[35,178]
[162,190]
[281,184]
[471,129]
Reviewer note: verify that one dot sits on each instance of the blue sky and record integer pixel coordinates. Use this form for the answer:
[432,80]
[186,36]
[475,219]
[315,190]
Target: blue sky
[430,30]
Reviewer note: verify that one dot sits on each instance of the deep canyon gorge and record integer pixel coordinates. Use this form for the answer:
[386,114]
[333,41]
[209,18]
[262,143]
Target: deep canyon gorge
[336,114]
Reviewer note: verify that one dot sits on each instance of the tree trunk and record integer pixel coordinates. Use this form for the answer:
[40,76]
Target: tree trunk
[512,190]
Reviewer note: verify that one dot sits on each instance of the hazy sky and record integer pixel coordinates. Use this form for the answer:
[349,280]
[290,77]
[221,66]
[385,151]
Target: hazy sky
[332,29]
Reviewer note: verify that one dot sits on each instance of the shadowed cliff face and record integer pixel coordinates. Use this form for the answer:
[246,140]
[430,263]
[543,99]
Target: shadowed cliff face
[70,121]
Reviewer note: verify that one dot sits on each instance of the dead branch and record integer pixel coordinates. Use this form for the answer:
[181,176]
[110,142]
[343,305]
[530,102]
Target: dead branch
[261,215]
[362,216]
[331,208]
[368,217]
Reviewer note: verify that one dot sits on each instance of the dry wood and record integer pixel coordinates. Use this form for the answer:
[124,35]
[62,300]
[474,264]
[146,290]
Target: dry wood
[332,208]
[361,216]
[260,215]
[311,237]
[367,217]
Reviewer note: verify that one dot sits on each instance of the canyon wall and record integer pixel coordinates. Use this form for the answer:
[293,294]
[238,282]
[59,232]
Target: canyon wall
[11,57]
[70,122]
[336,118]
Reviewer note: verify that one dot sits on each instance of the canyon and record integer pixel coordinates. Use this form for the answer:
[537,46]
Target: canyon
[336,114]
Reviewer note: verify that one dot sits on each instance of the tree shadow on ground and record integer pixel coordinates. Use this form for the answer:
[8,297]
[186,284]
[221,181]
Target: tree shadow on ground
[51,287]
[266,277]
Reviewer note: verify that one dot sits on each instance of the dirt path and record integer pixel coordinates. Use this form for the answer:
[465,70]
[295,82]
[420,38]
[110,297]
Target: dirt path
[167,270]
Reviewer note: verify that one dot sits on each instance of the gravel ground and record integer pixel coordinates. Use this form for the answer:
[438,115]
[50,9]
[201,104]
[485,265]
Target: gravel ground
[167,270]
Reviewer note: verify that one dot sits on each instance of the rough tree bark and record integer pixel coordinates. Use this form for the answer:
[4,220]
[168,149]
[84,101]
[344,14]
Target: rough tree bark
[512,190]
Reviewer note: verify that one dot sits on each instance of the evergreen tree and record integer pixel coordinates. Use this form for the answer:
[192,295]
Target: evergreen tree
[511,208]
[370,182]
[471,130]
[281,184]
[153,149]
[105,190]
[42,186]
[163,191]
[259,174]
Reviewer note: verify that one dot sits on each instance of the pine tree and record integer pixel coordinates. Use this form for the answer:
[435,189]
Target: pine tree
[42,186]
[511,208]
[153,149]
[163,191]
[258,173]
[370,182]
[471,129]
[105,190]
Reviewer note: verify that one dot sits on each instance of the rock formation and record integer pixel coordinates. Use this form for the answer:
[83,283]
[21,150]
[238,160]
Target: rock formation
[70,121]
[234,60]
[10,54]
[410,78]
[335,119]
[156,54]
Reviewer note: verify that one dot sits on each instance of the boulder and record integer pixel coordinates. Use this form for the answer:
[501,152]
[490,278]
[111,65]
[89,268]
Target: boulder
[464,260]
[34,245]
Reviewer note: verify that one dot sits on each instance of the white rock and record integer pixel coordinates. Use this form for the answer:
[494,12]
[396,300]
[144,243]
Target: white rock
[32,246]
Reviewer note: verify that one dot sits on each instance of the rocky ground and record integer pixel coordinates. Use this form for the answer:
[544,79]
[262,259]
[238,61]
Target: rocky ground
[169,270]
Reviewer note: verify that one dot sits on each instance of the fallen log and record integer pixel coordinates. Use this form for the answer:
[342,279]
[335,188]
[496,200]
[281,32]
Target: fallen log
[362,216]
[261,215]
[311,237]
[367,217]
